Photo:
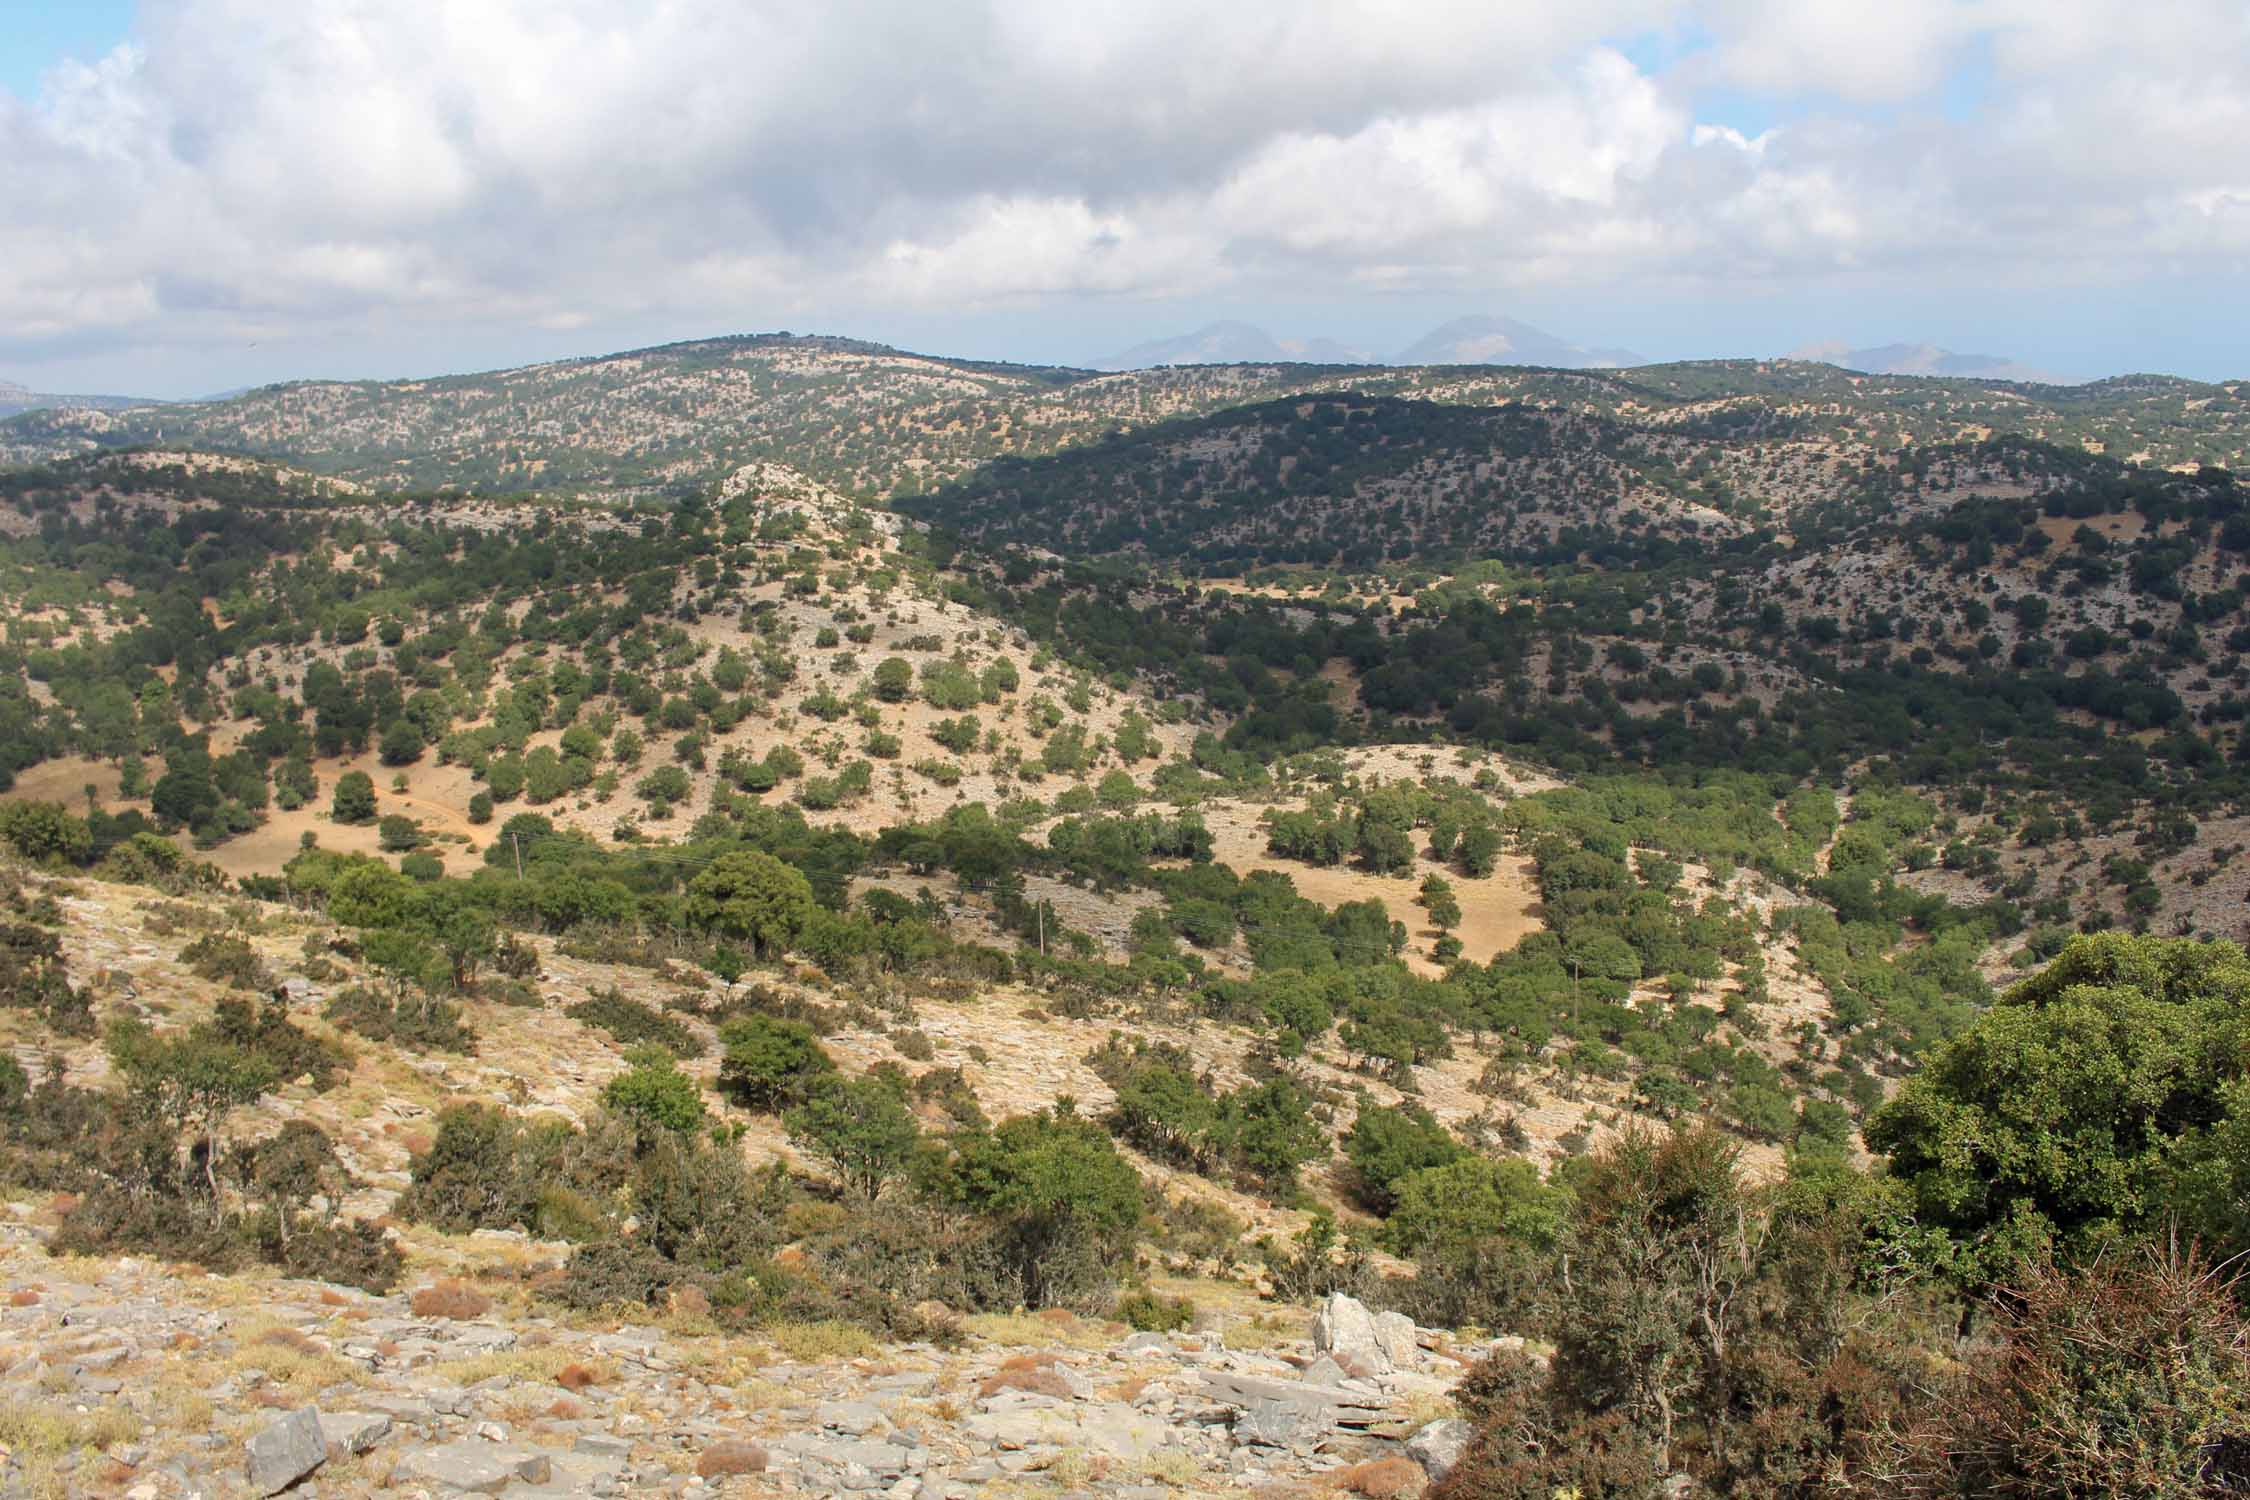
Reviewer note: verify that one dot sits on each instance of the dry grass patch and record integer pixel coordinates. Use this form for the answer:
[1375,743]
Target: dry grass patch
[1419,1410]
[727,1362]
[1173,1466]
[1072,1469]
[542,1366]
[288,1358]
[1262,1332]
[1032,1330]
[37,1435]
[825,1339]
[1391,1478]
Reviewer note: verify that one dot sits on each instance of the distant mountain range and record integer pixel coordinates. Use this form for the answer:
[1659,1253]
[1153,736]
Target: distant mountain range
[1231,343]
[1505,341]
[1488,340]
[1464,341]
[15,398]
[1927,359]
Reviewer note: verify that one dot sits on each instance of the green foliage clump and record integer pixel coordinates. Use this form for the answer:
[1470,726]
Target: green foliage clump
[654,1093]
[229,957]
[33,978]
[767,1063]
[1148,1312]
[353,801]
[1066,1205]
[753,898]
[2098,1097]
[1261,1133]
[861,1127]
[1385,1145]
[632,1023]
[1445,1212]
[2129,1377]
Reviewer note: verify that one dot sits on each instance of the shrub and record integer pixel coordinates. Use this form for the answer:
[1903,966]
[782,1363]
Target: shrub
[32,978]
[355,1252]
[655,1093]
[1447,1209]
[1149,1313]
[217,956]
[354,798]
[1065,1202]
[608,1273]
[2066,1112]
[860,1127]
[630,1022]
[769,1063]
[1386,1144]
[265,1031]
[449,1298]
[45,832]
[515,958]
[753,898]
[402,743]
[473,1176]
[419,1022]
[2130,1377]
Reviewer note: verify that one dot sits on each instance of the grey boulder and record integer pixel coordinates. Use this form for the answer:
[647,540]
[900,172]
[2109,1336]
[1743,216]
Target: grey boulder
[283,1452]
[1438,1447]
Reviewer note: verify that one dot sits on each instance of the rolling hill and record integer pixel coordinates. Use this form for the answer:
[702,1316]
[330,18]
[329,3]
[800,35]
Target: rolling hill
[872,422]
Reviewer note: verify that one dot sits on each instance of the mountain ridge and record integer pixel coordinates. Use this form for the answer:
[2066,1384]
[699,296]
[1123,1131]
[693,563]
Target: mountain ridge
[16,399]
[1482,339]
[1926,359]
[874,421]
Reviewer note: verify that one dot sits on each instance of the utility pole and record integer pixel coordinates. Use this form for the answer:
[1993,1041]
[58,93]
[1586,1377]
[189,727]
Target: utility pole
[516,839]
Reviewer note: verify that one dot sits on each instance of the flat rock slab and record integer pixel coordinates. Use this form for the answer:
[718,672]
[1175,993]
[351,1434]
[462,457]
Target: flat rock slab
[475,1466]
[1322,1403]
[869,1454]
[573,1477]
[349,1432]
[1109,1428]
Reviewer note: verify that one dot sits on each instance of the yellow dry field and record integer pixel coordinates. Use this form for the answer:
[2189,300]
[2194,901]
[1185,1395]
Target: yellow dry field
[436,796]
[1497,911]
[65,781]
[2061,529]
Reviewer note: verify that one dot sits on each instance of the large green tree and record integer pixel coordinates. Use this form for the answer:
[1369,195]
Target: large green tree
[753,898]
[861,1127]
[2096,1098]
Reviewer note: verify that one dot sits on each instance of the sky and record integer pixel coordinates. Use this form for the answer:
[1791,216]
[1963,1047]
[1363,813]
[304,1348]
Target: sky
[198,195]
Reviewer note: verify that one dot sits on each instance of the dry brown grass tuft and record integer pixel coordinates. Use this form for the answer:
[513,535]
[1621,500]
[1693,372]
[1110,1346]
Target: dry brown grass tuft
[731,1456]
[1391,1478]
[450,1299]
[578,1377]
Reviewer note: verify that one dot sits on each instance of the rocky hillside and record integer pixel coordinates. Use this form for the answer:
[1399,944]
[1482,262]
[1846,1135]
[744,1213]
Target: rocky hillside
[1338,481]
[872,421]
[125,1380]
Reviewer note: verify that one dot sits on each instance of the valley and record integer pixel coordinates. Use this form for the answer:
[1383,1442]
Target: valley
[867,902]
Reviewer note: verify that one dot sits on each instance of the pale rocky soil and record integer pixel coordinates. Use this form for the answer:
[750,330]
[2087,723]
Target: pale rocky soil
[127,1377]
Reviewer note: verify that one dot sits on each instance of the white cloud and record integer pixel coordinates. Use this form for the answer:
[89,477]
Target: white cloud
[296,167]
